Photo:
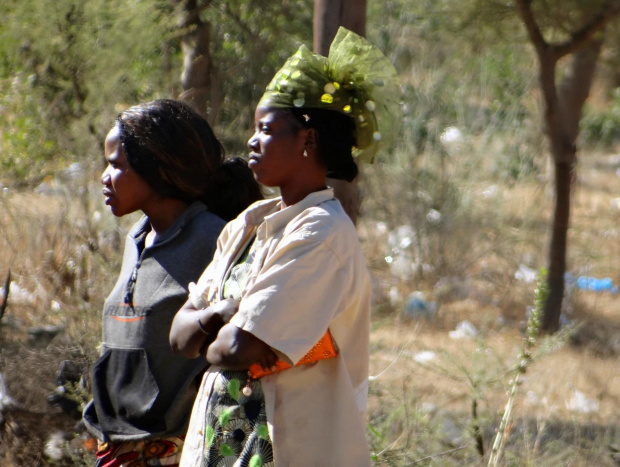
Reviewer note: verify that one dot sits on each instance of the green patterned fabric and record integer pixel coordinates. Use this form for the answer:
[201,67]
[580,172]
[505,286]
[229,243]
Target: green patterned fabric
[236,431]
[355,79]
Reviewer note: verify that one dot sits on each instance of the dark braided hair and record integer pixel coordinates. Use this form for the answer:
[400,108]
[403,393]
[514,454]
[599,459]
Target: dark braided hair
[175,151]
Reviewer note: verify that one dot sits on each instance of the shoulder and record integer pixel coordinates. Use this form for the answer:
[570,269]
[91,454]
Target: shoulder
[324,227]
[205,225]
[251,218]
[196,239]
[208,219]
[326,219]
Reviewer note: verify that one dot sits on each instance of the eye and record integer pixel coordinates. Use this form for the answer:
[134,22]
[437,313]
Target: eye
[113,164]
[262,126]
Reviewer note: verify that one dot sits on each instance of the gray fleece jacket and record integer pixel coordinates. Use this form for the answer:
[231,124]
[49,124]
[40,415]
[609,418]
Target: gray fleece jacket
[141,389]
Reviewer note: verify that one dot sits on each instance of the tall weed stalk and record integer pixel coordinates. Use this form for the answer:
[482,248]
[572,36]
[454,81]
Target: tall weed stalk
[529,353]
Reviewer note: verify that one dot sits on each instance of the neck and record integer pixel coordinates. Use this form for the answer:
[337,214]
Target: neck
[296,194]
[164,214]
[310,178]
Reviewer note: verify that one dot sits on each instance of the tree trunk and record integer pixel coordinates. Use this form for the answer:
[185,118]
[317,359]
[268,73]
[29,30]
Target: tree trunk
[329,15]
[563,113]
[562,116]
[197,65]
[575,88]
[557,248]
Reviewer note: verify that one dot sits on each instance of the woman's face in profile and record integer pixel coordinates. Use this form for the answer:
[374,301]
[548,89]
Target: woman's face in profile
[124,190]
[276,147]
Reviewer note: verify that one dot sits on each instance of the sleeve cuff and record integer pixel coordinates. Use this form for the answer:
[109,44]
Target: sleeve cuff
[242,323]
[196,297]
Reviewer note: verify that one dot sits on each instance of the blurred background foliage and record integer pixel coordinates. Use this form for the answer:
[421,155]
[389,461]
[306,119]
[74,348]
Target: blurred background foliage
[470,101]
[67,67]
[451,211]
[249,42]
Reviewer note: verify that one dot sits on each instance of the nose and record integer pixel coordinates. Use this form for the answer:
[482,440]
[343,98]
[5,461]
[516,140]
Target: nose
[105,177]
[253,143]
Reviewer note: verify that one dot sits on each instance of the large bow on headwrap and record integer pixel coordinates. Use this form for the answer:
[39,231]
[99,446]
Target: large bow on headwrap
[355,79]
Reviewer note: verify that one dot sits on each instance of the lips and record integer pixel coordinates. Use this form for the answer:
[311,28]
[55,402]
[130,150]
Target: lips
[108,195]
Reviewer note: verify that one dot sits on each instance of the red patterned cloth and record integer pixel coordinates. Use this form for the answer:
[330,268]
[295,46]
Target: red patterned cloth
[145,453]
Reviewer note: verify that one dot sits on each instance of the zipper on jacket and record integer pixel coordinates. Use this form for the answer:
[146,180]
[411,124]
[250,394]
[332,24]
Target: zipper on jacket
[131,285]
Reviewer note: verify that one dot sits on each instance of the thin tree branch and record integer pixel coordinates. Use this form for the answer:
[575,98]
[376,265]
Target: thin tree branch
[527,16]
[608,12]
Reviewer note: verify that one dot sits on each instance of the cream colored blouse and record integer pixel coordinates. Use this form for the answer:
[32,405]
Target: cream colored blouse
[308,274]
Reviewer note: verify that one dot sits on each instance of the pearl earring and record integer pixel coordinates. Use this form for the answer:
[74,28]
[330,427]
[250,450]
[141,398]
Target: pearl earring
[305,153]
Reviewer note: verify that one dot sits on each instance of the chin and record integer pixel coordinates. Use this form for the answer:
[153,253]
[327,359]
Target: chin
[116,211]
[263,180]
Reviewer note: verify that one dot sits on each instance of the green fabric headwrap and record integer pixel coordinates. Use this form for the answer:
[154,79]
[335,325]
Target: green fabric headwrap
[355,79]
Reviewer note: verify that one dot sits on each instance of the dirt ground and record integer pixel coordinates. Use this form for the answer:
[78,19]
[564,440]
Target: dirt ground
[422,365]
[570,393]
[579,382]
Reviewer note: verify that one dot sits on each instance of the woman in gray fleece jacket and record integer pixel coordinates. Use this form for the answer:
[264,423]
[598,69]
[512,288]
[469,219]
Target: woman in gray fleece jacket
[163,160]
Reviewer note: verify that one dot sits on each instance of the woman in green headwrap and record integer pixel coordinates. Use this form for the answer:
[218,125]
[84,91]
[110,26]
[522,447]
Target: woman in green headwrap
[289,273]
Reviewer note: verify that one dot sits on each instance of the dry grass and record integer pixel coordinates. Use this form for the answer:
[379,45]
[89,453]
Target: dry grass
[63,262]
[439,398]
[419,412]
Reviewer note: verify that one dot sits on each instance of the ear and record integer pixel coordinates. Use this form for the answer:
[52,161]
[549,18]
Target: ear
[312,139]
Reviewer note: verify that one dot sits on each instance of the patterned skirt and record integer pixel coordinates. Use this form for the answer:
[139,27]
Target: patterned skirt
[236,433]
[144,453]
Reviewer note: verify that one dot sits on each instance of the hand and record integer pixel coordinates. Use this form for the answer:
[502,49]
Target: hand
[236,349]
[226,309]
[190,339]
[268,360]
[186,338]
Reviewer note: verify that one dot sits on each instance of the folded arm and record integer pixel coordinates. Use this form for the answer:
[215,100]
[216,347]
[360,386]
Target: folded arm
[193,330]
[236,349]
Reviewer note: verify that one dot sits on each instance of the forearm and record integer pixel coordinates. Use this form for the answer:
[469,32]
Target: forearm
[186,336]
[236,349]
[194,330]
